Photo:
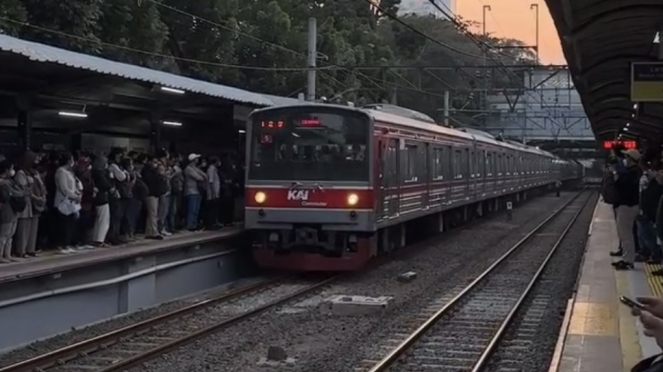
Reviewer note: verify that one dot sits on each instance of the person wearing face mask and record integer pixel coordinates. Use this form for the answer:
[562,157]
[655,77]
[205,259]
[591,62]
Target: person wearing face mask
[10,194]
[627,185]
[68,195]
[35,199]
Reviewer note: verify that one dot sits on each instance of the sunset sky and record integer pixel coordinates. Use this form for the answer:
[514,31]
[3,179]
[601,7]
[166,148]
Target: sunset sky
[515,19]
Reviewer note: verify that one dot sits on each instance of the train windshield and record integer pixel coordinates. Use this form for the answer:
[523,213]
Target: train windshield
[295,143]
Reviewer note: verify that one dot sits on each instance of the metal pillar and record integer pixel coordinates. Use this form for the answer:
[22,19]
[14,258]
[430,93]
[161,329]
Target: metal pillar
[446,108]
[24,122]
[155,133]
[312,54]
[536,7]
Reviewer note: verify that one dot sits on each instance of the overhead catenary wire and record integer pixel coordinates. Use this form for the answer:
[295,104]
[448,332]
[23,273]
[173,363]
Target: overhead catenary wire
[155,54]
[497,61]
[232,28]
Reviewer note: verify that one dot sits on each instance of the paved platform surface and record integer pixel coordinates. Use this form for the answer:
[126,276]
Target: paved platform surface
[52,262]
[601,334]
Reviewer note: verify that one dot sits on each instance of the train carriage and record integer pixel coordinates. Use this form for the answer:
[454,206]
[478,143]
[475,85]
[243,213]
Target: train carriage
[329,187]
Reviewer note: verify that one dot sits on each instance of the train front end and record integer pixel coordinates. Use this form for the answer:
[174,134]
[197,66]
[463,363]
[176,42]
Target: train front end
[309,201]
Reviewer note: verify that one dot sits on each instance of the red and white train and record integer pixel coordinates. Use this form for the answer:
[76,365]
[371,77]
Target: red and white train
[329,187]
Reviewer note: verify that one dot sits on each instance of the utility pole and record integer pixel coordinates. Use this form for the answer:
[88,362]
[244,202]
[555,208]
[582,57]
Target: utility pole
[484,98]
[536,8]
[486,8]
[312,57]
[446,108]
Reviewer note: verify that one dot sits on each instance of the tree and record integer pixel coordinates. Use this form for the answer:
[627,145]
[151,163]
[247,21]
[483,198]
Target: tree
[76,21]
[202,38]
[12,9]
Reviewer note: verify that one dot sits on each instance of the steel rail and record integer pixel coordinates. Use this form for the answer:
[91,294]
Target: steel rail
[393,356]
[494,342]
[67,353]
[160,350]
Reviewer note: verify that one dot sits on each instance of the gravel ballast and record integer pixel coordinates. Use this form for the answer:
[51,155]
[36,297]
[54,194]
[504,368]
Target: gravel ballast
[530,342]
[330,343]
[81,334]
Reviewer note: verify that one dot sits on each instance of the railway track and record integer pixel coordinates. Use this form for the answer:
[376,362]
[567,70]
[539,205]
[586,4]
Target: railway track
[460,332]
[124,348]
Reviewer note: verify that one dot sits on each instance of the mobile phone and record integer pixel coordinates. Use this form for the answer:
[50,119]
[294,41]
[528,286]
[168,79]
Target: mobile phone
[630,303]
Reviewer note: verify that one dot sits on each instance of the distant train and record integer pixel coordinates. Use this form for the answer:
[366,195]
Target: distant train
[329,187]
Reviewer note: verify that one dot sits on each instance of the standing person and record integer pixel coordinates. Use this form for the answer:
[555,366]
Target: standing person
[558,188]
[117,200]
[193,177]
[627,185]
[83,172]
[213,193]
[166,172]
[67,202]
[101,200]
[156,186]
[176,195]
[138,193]
[10,196]
[35,202]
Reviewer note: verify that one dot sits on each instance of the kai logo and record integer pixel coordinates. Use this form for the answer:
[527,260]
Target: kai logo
[298,195]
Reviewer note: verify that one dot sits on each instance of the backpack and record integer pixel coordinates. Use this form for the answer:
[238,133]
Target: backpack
[17,203]
[609,189]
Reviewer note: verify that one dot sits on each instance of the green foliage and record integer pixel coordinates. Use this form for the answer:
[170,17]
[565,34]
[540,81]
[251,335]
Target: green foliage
[273,34]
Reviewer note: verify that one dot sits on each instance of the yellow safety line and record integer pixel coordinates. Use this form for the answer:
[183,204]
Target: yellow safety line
[628,331]
[655,283]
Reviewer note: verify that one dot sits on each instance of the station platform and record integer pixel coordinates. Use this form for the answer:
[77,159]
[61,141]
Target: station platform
[51,262]
[598,332]
[91,286]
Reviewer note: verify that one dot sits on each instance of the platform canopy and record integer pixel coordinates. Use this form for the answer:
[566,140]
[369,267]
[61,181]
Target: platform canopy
[601,39]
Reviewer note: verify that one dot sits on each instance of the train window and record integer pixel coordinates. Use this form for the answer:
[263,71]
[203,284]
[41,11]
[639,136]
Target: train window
[438,163]
[392,161]
[410,162]
[489,164]
[499,165]
[459,164]
[305,144]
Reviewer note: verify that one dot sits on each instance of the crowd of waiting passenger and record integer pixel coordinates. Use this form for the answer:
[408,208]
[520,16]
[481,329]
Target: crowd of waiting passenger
[74,202]
[633,185]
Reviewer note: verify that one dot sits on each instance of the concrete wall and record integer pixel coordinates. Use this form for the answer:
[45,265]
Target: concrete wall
[40,318]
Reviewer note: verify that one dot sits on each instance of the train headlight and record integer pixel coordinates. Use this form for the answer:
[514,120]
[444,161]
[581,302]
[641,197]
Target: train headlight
[260,197]
[353,199]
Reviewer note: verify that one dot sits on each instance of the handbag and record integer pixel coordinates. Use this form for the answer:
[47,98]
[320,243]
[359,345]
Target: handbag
[69,207]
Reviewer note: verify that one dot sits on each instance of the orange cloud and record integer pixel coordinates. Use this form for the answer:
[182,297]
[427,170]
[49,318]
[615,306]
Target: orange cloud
[515,19]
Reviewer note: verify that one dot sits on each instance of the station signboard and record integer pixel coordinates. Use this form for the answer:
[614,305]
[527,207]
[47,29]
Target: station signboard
[624,144]
[647,81]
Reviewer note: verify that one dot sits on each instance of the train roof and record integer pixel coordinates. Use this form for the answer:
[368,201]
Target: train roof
[391,118]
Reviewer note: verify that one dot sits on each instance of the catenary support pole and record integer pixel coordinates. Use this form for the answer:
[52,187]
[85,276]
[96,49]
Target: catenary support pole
[312,54]
[446,108]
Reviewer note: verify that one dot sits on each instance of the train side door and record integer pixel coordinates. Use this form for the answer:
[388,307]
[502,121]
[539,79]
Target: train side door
[381,179]
[393,181]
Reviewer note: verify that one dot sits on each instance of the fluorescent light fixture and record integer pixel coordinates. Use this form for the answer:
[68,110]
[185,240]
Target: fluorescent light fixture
[295,135]
[625,129]
[172,123]
[628,124]
[73,114]
[242,131]
[635,106]
[172,90]
[657,38]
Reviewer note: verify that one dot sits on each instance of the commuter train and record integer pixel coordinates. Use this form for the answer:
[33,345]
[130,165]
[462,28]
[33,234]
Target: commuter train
[329,187]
